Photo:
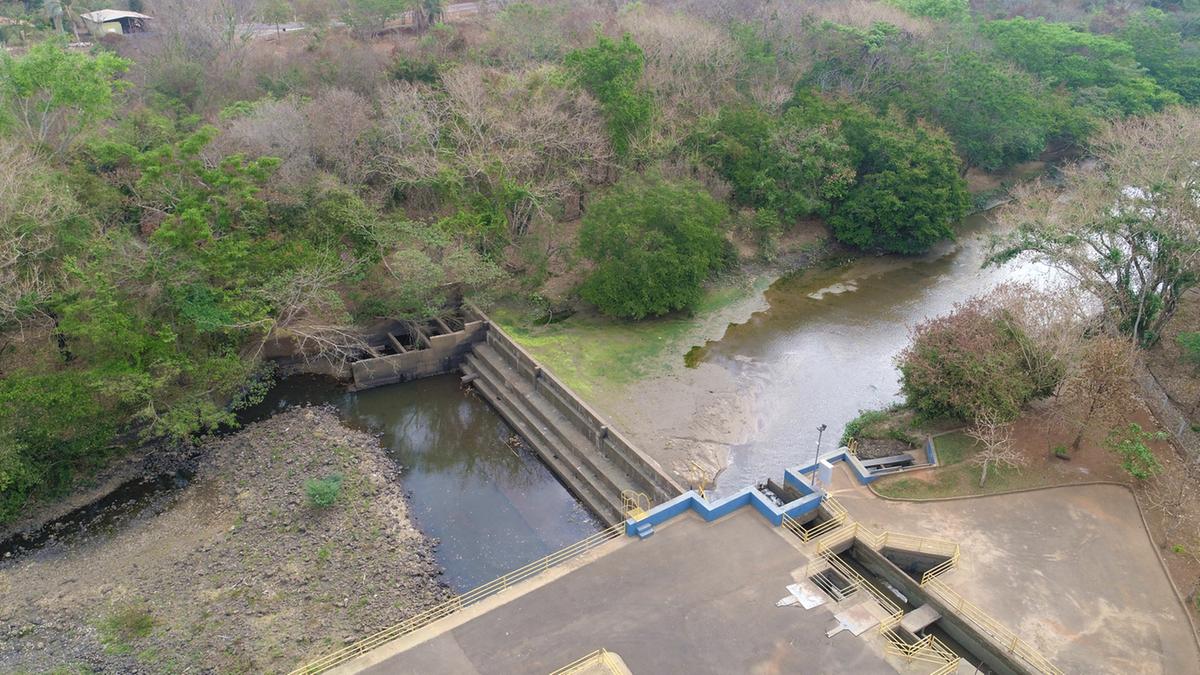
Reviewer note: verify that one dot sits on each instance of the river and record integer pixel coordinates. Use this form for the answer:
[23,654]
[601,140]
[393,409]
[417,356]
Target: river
[825,347]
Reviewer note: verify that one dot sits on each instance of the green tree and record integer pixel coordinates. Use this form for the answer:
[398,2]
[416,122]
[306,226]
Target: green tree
[611,71]
[1129,443]
[50,94]
[654,243]
[945,10]
[372,15]
[782,164]
[908,194]
[1101,70]
[1159,48]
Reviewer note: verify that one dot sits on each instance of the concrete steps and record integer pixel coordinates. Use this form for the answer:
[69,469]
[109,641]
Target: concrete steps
[596,481]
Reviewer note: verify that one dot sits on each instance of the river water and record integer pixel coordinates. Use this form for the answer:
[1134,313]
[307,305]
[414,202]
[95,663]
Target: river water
[490,502]
[825,347]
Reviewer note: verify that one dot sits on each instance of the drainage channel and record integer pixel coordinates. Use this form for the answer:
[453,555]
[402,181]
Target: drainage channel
[909,604]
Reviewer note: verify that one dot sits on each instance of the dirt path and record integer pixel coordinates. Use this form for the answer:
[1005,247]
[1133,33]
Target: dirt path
[239,572]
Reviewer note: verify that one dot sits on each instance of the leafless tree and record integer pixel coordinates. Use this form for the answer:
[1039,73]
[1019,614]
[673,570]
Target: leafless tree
[1175,492]
[1099,387]
[997,449]
[1126,231]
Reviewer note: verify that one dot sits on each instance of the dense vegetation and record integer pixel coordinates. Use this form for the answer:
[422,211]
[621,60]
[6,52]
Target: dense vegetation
[172,202]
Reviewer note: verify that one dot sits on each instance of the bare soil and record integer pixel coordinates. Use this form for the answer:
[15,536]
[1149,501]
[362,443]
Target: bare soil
[237,572]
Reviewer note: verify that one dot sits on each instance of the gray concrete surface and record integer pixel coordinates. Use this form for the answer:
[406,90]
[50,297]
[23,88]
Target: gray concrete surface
[695,598]
[1071,570]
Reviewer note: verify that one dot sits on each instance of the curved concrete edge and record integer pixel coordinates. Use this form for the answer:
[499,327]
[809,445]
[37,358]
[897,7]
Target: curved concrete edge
[1179,597]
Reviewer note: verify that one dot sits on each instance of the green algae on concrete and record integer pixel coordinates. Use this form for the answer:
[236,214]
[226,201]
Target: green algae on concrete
[589,351]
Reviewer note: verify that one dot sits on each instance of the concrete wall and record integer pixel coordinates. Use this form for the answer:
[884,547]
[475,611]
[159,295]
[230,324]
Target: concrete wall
[607,441]
[443,355]
[962,631]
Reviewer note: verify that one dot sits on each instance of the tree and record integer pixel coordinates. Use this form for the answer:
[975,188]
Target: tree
[373,15]
[975,361]
[782,164]
[909,194]
[1129,232]
[50,94]
[996,440]
[653,244]
[1158,46]
[610,71]
[1190,344]
[1129,443]
[1101,70]
[1100,386]
[276,12]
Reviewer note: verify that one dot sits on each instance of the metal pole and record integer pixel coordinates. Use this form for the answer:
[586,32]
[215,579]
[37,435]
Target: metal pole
[817,457]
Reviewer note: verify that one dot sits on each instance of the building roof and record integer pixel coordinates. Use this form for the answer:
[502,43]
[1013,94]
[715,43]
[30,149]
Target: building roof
[106,15]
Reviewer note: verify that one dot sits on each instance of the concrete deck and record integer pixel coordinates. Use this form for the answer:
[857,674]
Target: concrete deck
[1070,569]
[696,597]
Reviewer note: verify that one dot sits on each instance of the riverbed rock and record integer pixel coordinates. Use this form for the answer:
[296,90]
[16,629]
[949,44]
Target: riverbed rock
[236,571]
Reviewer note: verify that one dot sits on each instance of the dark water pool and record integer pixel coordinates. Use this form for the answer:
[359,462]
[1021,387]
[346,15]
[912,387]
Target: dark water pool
[490,501]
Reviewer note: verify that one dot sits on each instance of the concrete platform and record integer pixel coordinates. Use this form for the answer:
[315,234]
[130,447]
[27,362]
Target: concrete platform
[1070,569]
[696,597]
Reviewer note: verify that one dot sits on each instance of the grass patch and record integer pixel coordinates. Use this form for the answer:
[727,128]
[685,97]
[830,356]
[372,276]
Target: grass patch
[323,492]
[953,448]
[123,626]
[586,349]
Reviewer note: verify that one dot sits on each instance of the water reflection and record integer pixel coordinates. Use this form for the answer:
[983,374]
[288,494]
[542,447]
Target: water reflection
[492,503]
[825,347]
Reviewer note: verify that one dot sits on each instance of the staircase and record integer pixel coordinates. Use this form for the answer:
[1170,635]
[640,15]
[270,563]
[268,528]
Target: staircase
[594,478]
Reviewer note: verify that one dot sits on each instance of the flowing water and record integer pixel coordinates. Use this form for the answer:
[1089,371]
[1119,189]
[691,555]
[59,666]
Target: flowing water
[825,347]
[490,502]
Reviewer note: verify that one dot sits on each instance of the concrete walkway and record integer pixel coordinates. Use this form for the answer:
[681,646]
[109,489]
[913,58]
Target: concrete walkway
[695,598]
[1070,569]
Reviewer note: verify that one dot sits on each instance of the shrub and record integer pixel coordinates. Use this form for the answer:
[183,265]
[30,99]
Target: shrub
[610,71]
[973,361]
[1130,445]
[323,492]
[654,243]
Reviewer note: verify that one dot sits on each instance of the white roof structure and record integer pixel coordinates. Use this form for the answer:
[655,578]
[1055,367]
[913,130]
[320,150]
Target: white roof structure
[106,15]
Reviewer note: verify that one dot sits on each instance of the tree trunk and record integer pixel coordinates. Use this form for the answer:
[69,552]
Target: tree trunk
[983,474]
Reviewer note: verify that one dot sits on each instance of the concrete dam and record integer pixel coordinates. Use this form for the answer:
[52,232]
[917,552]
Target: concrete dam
[594,461]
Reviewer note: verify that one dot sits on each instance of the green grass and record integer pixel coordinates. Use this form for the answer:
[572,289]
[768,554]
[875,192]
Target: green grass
[587,349]
[953,448]
[123,626]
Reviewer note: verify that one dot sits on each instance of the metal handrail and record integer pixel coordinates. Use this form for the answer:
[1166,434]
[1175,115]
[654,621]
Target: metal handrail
[1010,640]
[459,602]
[600,657]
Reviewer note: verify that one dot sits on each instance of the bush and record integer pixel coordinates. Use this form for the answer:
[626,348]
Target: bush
[973,361]
[654,244]
[1129,443]
[610,71]
[908,194]
[323,492]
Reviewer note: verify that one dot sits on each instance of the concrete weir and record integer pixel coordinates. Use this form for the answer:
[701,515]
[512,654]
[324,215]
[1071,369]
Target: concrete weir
[594,461]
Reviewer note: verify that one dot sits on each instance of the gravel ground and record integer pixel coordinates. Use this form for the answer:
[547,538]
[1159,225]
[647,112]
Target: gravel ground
[237,572]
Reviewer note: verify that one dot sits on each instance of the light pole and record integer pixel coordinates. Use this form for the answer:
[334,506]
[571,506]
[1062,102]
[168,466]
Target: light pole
[817,457]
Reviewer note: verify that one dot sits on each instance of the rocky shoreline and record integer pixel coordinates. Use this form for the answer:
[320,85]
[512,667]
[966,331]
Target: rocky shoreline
[239,571]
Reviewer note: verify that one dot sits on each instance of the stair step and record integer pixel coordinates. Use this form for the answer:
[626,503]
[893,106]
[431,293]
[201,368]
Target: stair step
[549,448]
[579,448]
[644,530]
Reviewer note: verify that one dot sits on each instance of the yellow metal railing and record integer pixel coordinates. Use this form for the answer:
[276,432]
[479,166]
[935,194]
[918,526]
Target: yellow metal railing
[927,650]
[1010,640]
[636,504]
[459,602]
[837,517]
[601,657]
